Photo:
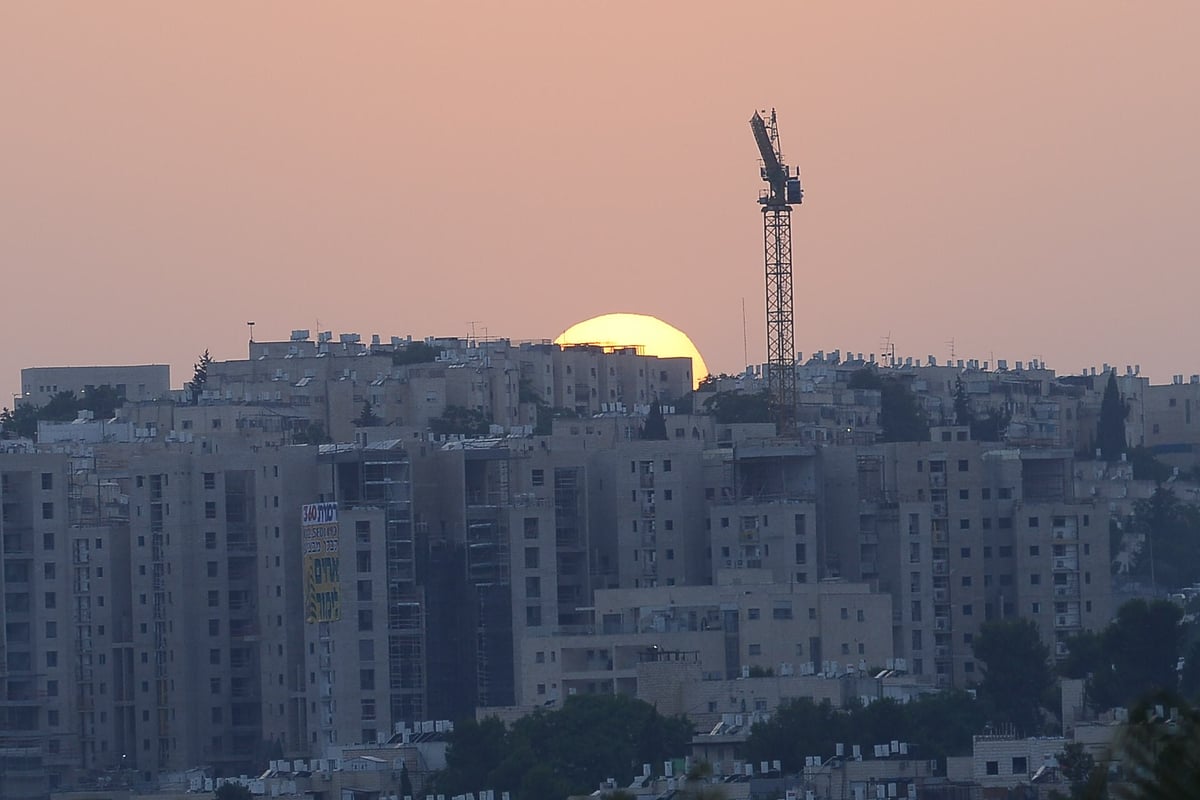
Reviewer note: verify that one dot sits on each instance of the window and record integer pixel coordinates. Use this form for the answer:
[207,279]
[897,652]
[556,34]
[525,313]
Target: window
[861,615]
[1006,551]
[51,658]
[212,569]
[966,580]
[368,714]
[532,557]
[366,650]
[1033,522]
[214,598]
[366,680]
[48,570]
[1005,493]
[985,493]
[964,524]
[210,540]
[366,619]
[963,465]
[668,494]
[533,588]
[210,509]
[801,525]
[667,465]
[533,616]
[669,525]
[965,552]
[210,480]
[968,666]
[1034,550]
[1019,765]
[914,552]
[363,560]
[987,523]
[538,477]
[47,541]
[964,494]
[214,656]
[214,627]
[47,481]
[1035,579]
[755,650]
[1035,608]
[968,610]
[47,510]
[992,767]
[214,685]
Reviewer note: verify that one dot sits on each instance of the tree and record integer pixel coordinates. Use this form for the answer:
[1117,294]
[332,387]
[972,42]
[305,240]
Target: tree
[414,353]
[233,791]
[102,401]
[548,755]
[1087,779]
[735,407]
[1170,555]
[367,418]
[900,414]
[1146,467]
[1160,755]
[963,415]
[21,421]
[199,376]
[406,786]
[656,425]
[462,421]
[1017,673]
[1110,430]
[1140,653]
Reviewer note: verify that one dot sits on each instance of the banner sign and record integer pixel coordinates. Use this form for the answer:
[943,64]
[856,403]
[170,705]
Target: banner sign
[319,532]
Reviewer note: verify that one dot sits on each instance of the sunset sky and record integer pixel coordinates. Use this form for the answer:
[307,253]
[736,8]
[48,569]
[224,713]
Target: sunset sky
[1020,178]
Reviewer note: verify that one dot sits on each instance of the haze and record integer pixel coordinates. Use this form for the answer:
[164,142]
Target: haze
[1021,179]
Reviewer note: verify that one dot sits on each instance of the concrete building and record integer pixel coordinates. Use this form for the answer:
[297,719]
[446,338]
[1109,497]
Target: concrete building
[745,622]
[138,383]
[961,532]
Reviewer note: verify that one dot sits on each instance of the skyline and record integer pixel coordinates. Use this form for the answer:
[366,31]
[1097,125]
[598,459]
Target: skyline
[173,173]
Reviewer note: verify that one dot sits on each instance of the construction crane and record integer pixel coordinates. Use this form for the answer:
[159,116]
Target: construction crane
[783,191]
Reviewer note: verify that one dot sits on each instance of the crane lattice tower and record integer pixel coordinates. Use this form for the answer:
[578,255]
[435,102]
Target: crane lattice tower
[783,192]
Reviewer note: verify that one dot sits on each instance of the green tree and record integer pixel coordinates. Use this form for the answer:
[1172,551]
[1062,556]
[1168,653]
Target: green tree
[656,425]
[963,414]
[1170,555]
[992,426]
[734,407]
[900,415]
[548,755]
[1110,430]
[1087,779]
[367,418]
[102,401]
[406,785]
[199,377]
[1160,755]
[1140,653]
[1146,467]
[462,421]
[414,353]
[21,421]
[233,791]
[1017,675]
[62,407]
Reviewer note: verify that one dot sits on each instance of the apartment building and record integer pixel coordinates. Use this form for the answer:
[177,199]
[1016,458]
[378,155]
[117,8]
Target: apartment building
[962,532]
[746,621]
[136,383]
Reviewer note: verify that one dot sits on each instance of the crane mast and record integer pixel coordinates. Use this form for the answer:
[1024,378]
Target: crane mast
[783,190]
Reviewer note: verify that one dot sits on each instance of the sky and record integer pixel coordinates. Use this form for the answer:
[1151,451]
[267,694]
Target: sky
[1004,180]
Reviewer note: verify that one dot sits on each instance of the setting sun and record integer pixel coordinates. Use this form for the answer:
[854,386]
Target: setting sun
[655,337]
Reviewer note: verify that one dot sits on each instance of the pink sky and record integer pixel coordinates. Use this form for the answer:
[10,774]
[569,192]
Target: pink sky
[1022,178]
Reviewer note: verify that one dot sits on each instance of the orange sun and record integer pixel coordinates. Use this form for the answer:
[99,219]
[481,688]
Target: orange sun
[655,337]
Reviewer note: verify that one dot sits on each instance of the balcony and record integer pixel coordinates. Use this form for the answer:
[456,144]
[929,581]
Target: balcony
[941,596]
[940,568]
[1066,564]
[646,480]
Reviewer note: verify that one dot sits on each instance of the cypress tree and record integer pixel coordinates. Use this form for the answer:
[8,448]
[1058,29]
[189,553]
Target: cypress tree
[1110,431]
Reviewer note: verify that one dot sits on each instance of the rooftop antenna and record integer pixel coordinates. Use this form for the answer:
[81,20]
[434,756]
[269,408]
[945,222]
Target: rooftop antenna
[745,346]
[250,325]
[950,344]
[889,350]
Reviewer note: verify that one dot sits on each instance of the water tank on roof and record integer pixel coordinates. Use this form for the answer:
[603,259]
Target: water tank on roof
[299,335]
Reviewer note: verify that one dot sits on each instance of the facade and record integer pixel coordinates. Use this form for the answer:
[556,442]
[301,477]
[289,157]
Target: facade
[134,383]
